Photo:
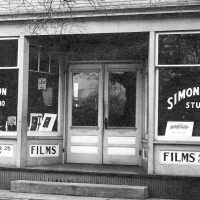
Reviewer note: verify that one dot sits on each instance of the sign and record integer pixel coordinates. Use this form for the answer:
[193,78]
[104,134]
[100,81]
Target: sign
[183,95]
[179,130]
[6,150]
[44,150]
[42,83]
[180,157]
[3,93]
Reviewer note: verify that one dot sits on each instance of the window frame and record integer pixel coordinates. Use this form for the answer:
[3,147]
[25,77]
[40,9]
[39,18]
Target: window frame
[12,38]
[85,70]
[12,133]
[157,49]
[157,68]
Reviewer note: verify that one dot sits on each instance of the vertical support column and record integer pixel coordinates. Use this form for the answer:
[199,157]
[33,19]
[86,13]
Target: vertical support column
[23,64]
[151,101]
[61,102]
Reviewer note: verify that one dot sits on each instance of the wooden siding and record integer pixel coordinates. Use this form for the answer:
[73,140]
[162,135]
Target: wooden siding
[37,6]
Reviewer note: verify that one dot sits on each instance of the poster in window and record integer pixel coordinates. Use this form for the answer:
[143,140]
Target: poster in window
[11,124]
[48,122]
[35,121]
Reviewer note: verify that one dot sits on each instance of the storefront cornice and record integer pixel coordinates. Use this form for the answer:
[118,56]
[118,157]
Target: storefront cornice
[144,11]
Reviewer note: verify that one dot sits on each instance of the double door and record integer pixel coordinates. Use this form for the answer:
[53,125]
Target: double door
[104,114]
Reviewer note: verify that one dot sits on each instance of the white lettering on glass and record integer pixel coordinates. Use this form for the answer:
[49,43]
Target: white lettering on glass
[183,94]
[3,92]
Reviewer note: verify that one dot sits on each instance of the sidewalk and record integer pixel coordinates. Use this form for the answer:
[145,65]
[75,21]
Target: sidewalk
[8,195]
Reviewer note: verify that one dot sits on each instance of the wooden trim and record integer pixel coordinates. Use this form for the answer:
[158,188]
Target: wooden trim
[104,62]
[11,67]
[178,32]
[61,89]
[151,100]
[66,114]
[9,38]
[171,142]
[46,138]
[22,108]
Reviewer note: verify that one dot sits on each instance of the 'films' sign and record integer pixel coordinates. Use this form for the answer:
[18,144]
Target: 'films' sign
[180,157]
[44,150]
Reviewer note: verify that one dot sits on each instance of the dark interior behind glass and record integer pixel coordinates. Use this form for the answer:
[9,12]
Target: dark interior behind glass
[122,99]
[177,49]
[179,97]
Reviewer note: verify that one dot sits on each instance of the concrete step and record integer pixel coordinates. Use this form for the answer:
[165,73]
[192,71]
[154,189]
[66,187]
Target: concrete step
[80,189]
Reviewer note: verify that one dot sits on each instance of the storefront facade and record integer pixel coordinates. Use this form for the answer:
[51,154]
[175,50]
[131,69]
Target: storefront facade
[120,89]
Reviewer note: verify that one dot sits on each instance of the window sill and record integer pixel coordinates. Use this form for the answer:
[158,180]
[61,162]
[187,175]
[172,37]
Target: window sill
[42,133]
[173,142]
[8,133]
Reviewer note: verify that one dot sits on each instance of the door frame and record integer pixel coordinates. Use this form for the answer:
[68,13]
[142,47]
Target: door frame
[136,131]
[94,130]
[101,65]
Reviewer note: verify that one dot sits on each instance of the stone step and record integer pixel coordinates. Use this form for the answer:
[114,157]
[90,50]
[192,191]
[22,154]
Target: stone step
[80,189]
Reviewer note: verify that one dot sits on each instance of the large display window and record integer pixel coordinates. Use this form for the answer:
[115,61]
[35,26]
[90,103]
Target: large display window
[8,86]
[43,92]
[178,49]
[8,100]
[178,86]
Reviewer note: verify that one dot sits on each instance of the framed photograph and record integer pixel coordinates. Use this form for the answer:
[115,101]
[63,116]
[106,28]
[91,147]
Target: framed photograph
[35,121]
[11,124]
[48,122]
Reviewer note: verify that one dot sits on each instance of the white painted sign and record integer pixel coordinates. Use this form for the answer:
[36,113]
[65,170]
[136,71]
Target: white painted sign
[184,94]
[6,150]
[44,150]
[3,92]
[179,130]
[180,157]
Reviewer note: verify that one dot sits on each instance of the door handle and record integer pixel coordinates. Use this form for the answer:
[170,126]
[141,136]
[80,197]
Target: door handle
[106,123]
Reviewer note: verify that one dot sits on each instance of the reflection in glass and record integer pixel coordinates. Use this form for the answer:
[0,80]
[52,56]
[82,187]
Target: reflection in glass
[85,99]
[122,99]
[179,97]
[8,55]
[33,57]
[179,49]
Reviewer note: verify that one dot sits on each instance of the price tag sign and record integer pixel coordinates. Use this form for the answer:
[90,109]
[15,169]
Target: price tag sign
[6,150]
[179,130]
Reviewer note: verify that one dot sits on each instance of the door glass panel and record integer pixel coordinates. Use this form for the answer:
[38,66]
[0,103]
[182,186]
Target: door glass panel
[122,99]
[85,99]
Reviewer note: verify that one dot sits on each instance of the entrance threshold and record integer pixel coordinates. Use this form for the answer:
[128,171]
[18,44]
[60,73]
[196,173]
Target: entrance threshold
[92,168]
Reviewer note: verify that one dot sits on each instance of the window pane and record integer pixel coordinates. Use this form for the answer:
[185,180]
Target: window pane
[8,55]
[44,60]
[43,100]
[33,57]
[85,99]
[179,92]
[8,100]
[122,99]
[179,49]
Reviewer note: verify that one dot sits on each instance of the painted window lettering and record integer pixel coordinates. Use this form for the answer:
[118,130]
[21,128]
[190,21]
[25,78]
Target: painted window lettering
[183,94]
[179,102]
